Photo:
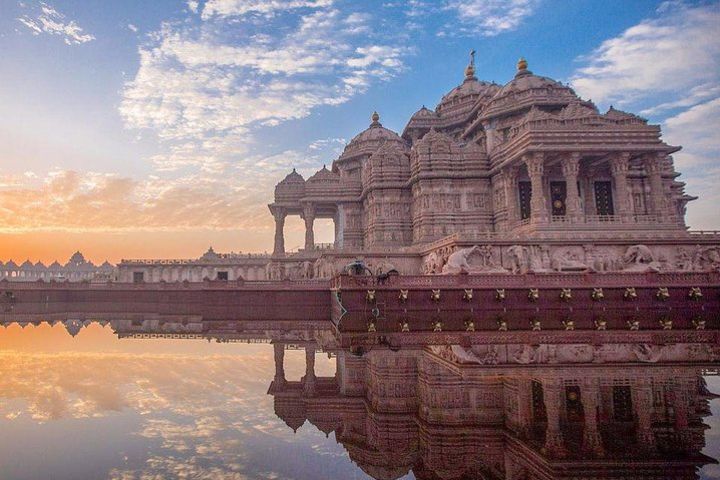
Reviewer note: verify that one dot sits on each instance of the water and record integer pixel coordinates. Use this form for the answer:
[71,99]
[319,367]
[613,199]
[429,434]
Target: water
[104,404]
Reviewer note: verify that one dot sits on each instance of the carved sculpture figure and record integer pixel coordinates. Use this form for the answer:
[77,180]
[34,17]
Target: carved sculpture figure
[568,261]
[639,258]
[518,256]
[458,261]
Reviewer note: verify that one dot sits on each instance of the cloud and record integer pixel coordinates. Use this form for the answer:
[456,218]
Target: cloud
[489,17]
[696,130]
[668,67]
[188,192]
[265,7]
[49,20]
[673,53]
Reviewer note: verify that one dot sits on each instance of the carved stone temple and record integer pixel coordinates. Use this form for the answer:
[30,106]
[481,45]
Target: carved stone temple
[535,176]
[528,173]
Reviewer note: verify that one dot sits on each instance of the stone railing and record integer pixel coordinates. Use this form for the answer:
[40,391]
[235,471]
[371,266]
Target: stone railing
[221,258]
[537,280]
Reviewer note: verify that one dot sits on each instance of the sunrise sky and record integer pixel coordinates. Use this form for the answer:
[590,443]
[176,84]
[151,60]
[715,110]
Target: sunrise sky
[156,129]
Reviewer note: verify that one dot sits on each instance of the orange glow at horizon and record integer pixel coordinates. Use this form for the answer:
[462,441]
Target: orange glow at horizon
[99,246]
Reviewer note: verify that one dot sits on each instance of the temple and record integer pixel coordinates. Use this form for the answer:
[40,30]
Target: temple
[535,175]
[515,178]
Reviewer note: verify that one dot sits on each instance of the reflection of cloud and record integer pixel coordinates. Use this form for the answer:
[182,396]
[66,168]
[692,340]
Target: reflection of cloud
[202,417]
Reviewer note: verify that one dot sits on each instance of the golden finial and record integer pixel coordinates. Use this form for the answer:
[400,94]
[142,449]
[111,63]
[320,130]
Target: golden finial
[375,118]
[522,64]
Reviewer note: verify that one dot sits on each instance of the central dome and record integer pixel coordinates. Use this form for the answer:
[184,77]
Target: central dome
[527,89]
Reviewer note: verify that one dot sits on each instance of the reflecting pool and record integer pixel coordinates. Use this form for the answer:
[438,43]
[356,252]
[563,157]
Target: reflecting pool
[156,399]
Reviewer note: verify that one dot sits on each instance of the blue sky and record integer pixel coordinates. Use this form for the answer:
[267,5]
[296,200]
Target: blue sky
[144,120]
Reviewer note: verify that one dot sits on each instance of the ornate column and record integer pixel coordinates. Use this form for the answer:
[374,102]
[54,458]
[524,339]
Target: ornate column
[553,436]
[681,405]
[643,405]
[571,169]
[279,364]
[510,177]
[619,166]
[653,166]
[524,405]
[536,166]
[309,378]
[589,395]
[279,214]
[309,217]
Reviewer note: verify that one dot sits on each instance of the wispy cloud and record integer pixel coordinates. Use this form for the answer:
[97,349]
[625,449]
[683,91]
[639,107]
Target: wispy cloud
[669,66]
[672,53]
[49,20]
[489,17]
[265,7]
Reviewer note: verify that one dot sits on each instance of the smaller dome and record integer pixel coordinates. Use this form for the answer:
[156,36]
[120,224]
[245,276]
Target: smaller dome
[293,177]
[210,255]
[370,139]
[324,175]
[424,113]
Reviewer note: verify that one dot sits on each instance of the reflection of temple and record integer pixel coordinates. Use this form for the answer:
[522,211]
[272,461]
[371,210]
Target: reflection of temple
[561,406]
[443,414]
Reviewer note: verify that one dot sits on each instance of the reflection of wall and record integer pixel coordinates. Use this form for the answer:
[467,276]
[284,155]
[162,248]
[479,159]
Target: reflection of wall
[418,410]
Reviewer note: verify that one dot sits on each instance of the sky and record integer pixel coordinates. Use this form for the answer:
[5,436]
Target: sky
[156,129]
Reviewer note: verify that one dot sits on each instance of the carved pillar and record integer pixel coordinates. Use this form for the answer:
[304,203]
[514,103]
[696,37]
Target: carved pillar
[279,215]
[524,405]
[511,194]
[309,378]
[309,217]
[681,405]
[653,166]
[553,436]
[643,405]
[571,169]
[589,395]
[279,351]
[619,166]
[536,166]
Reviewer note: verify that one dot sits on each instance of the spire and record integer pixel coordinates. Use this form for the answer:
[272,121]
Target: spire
[375,120]
[470,69]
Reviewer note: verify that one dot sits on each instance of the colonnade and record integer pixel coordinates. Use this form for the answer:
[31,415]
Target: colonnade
[309,380]
[191,273]
[308,214]
[643,411]
[570,163]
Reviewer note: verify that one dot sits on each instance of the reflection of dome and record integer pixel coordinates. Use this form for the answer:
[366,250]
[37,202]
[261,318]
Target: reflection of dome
[291,410]
[73,326]
[77,259]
